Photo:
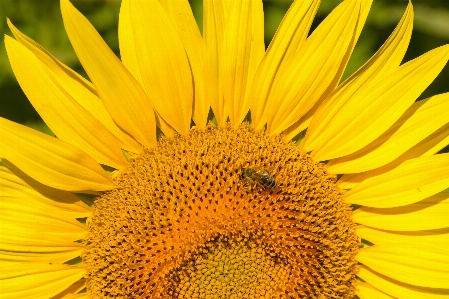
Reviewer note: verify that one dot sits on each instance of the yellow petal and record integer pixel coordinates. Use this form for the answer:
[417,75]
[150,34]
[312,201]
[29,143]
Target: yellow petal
[317,66]
[22,240]
[39,219]
[65,117]
[398,289]
[215,13]
[50,161]
[36,280]
[243,48]
[410,182]
[31,190]
[429,146]
[297,127]
[77,87]
[430,213]
[123,97]
[432,144]
[130,60]
[164,126]
[409,263]
[385,60]
[303,122]
[181,16]
[366,291]
[438,238]
[419,121]
[22,246]
[160,59]
[72,291]
[377,106]
[289,37]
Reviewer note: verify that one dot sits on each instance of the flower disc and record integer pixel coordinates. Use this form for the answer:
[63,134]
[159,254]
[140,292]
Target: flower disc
[184,224]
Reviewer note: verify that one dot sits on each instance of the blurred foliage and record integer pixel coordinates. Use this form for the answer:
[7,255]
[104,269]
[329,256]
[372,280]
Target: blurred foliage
[41,20]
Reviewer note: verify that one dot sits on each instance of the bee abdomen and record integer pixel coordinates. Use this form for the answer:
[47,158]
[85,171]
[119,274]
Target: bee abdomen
[267,180]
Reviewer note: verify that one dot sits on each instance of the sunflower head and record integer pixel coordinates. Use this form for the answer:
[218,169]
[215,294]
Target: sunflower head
[186,224]
[205,194]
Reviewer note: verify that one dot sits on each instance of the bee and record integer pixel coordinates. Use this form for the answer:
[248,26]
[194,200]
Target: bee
[258,176]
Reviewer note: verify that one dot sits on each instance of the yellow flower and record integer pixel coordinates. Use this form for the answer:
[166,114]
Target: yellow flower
[235,209]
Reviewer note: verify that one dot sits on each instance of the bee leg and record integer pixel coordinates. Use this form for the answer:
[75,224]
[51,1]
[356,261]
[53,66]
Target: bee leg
[257,183]
[248,182]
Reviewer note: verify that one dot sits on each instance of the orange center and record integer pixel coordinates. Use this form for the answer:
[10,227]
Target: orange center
[184,224]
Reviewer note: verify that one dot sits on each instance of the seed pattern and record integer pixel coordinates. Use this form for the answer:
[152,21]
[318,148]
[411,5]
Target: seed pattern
[182,221]
[235,270]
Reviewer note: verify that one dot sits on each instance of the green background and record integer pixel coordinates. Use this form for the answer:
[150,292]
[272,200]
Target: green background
[41,20]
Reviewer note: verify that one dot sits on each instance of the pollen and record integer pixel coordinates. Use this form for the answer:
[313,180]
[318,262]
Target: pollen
[183,223]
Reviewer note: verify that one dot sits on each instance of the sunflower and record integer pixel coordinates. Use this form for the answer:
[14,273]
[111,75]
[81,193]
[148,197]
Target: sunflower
[203,166]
